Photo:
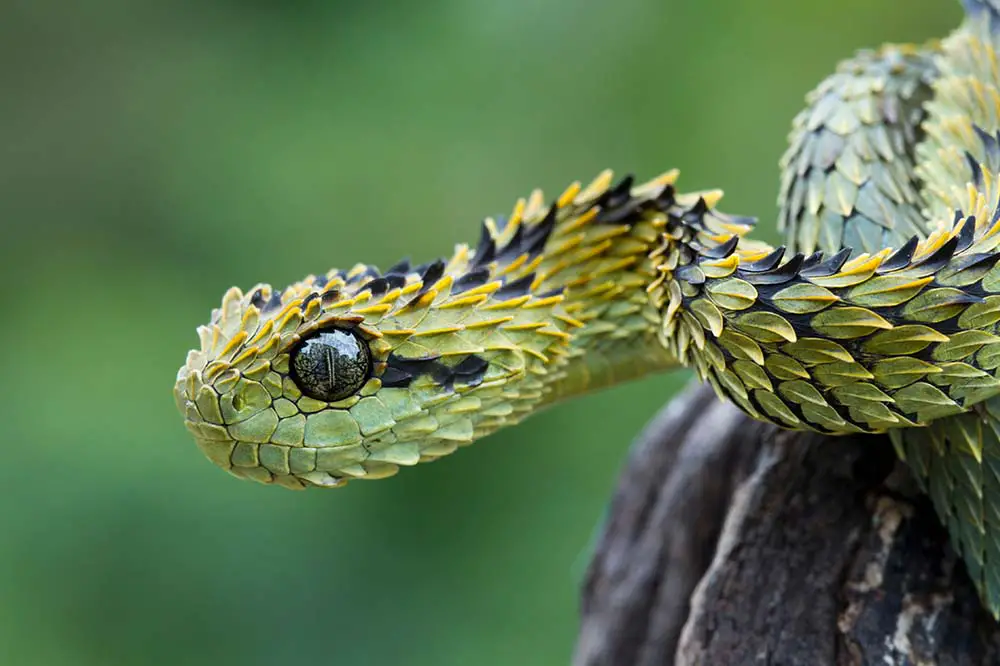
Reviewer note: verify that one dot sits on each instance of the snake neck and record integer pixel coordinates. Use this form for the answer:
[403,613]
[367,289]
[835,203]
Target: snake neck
[597,250]
[835,344]
[630,261]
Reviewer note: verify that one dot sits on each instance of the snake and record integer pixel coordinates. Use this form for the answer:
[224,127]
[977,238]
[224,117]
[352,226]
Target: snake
[879,314]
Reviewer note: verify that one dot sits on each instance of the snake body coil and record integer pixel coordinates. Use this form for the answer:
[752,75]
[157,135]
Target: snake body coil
[881,315]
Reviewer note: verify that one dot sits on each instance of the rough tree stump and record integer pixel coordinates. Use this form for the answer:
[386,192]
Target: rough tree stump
[733,542]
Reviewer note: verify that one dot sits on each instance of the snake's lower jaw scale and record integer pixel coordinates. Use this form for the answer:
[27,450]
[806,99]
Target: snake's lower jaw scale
[296,468]
[219,451]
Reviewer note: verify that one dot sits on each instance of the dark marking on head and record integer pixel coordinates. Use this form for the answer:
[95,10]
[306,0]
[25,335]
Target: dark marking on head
[330,296]
[308,299]
[513,248]
[393,378]
[257,298]
[378,286]
[471,280]
[516,288]
[413,366]
[273,303]
[401,267]
[400,372]
[618,194]
[537,235]
[485,249]
[431,274]
[395,280]
[320,281]
[471,370]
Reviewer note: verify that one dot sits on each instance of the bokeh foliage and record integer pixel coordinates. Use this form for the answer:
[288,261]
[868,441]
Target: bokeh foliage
[153,153]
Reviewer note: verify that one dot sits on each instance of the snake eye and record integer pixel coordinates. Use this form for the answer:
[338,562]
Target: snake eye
[331,365]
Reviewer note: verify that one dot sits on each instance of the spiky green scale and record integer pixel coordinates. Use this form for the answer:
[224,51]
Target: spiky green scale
[902,340]
[886,291]
[846,323]
[740,346]
[983,315]
[840,373]
[856,394]
[813,351]
[803,298]
[898,372]
[765,327]
[732,294]
[838,190]
[776,409]
[785,367]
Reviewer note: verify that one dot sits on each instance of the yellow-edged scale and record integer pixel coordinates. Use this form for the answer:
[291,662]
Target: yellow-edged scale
[881,315]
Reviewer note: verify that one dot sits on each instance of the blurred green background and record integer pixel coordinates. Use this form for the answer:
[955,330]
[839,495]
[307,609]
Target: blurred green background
[153,153]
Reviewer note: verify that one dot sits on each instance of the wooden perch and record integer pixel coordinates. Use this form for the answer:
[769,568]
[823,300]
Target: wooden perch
[733,542]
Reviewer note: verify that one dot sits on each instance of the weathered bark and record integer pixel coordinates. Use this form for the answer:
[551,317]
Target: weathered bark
[733,542]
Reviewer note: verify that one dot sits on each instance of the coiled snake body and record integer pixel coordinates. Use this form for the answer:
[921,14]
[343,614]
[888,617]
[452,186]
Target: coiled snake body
[880,315]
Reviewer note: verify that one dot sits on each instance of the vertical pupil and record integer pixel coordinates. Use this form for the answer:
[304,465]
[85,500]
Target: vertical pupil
[331,365]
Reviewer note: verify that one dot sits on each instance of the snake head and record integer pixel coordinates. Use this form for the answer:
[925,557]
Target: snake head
[350,375]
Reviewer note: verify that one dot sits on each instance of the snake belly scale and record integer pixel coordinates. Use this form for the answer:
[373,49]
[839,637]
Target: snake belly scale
[881,313]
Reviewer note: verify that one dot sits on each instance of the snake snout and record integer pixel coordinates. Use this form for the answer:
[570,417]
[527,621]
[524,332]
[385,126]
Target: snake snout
[241,427]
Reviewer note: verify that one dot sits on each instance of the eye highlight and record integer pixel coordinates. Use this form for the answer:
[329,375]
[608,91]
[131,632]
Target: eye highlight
[331,365]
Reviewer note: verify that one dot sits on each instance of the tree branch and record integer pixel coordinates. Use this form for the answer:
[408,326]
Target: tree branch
[730,542]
